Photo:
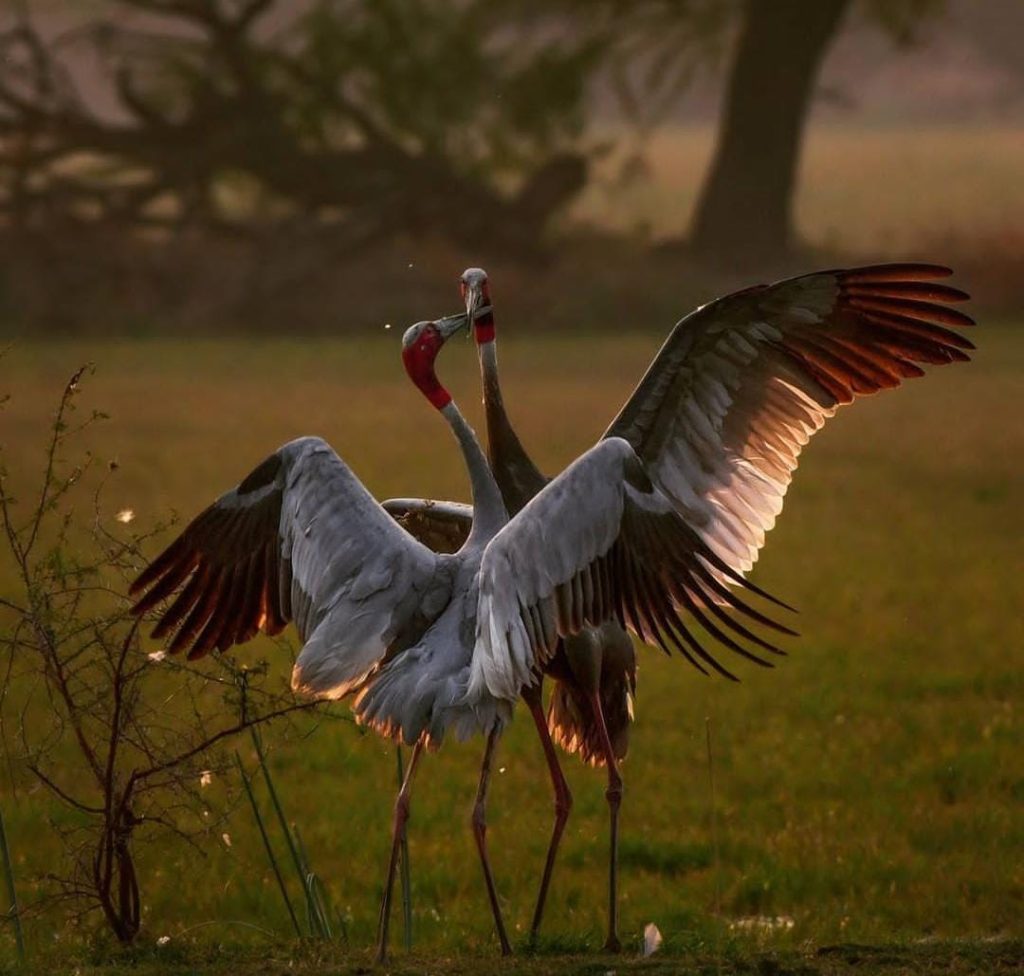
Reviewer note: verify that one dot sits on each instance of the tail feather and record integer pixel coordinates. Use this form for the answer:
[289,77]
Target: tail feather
[572,723]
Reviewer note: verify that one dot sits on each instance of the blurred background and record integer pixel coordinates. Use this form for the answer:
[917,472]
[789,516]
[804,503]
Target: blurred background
[234,207]
[316,166]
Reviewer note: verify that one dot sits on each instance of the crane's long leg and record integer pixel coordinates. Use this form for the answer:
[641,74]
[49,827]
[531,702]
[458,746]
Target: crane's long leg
[613,794]
[401,818]
[563,799]
[480,834]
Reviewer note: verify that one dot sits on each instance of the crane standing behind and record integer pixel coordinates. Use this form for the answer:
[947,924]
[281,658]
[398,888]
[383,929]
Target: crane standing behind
[717,424]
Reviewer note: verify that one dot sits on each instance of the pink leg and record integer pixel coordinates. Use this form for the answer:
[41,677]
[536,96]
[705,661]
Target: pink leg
[480,834]
[563,800]
[613,794]
[401,818]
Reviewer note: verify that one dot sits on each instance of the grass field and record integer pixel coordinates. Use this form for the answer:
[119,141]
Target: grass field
[862,188]
[865,193]
[870,789]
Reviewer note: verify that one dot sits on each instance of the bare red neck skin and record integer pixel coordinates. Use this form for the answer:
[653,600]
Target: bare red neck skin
[483,325]
[419,364]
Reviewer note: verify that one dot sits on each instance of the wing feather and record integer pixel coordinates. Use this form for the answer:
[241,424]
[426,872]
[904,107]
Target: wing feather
[740,386]
[300,539]
[658,524]
[600,541]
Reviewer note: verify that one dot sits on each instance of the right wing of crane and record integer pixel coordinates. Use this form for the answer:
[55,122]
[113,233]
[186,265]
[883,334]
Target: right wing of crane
[668,512]
[601,541]
[300,539]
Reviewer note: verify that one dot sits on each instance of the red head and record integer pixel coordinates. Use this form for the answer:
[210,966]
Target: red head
[420,346]
[476,293]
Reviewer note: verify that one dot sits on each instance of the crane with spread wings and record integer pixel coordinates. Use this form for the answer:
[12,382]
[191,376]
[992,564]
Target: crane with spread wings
[687,479]
[381,616]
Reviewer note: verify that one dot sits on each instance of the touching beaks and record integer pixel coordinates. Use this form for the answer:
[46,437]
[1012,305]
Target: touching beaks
[451,324]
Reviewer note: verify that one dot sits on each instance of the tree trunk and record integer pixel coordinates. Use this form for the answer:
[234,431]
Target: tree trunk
[745,211]
[116,883]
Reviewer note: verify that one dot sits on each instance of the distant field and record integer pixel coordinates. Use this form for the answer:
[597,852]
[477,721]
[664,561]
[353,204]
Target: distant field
[869,789]
[861,189]
[951,195]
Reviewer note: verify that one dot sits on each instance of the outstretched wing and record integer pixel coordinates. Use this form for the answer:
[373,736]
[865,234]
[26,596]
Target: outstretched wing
[300,539]
[669,511]
[441,526]
[602,541]
[742,383]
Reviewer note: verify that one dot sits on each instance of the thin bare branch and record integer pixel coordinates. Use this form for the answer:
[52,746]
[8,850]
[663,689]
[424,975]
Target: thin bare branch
[52,785]
[240,726]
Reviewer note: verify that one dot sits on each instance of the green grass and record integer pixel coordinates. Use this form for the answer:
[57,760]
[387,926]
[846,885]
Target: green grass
[926,957]
[870,788]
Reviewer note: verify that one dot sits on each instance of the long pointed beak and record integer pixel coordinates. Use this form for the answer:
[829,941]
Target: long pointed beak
[474,302]
[451,324]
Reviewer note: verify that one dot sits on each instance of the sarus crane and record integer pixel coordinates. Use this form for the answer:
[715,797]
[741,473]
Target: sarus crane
[594,671]
[717,424]
[380,615]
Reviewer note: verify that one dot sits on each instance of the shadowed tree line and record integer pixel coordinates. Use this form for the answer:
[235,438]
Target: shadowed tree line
[375,118]
[337,124]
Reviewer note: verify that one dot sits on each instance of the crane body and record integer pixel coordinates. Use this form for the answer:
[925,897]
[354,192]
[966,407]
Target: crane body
[594,671]
[380,615]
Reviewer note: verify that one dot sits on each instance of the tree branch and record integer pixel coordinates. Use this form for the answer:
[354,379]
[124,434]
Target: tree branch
[64,795]
[240,726]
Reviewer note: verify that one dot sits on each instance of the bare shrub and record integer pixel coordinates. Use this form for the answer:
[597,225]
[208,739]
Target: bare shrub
[119,736]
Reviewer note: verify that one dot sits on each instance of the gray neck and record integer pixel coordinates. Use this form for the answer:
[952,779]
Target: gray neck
[489,513]
[517,475]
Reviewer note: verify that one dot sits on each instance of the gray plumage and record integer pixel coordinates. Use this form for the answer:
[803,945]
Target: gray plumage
[659,522]
[380,614]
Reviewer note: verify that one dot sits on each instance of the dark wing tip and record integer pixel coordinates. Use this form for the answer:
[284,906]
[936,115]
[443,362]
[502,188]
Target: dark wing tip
[904,271]
[754,588]
[157,568]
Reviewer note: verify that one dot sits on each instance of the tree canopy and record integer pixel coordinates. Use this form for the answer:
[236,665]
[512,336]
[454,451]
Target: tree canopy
[376,116]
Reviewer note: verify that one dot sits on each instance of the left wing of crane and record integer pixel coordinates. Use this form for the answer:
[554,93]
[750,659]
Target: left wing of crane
[299,539]
[669,511]
[600,542]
